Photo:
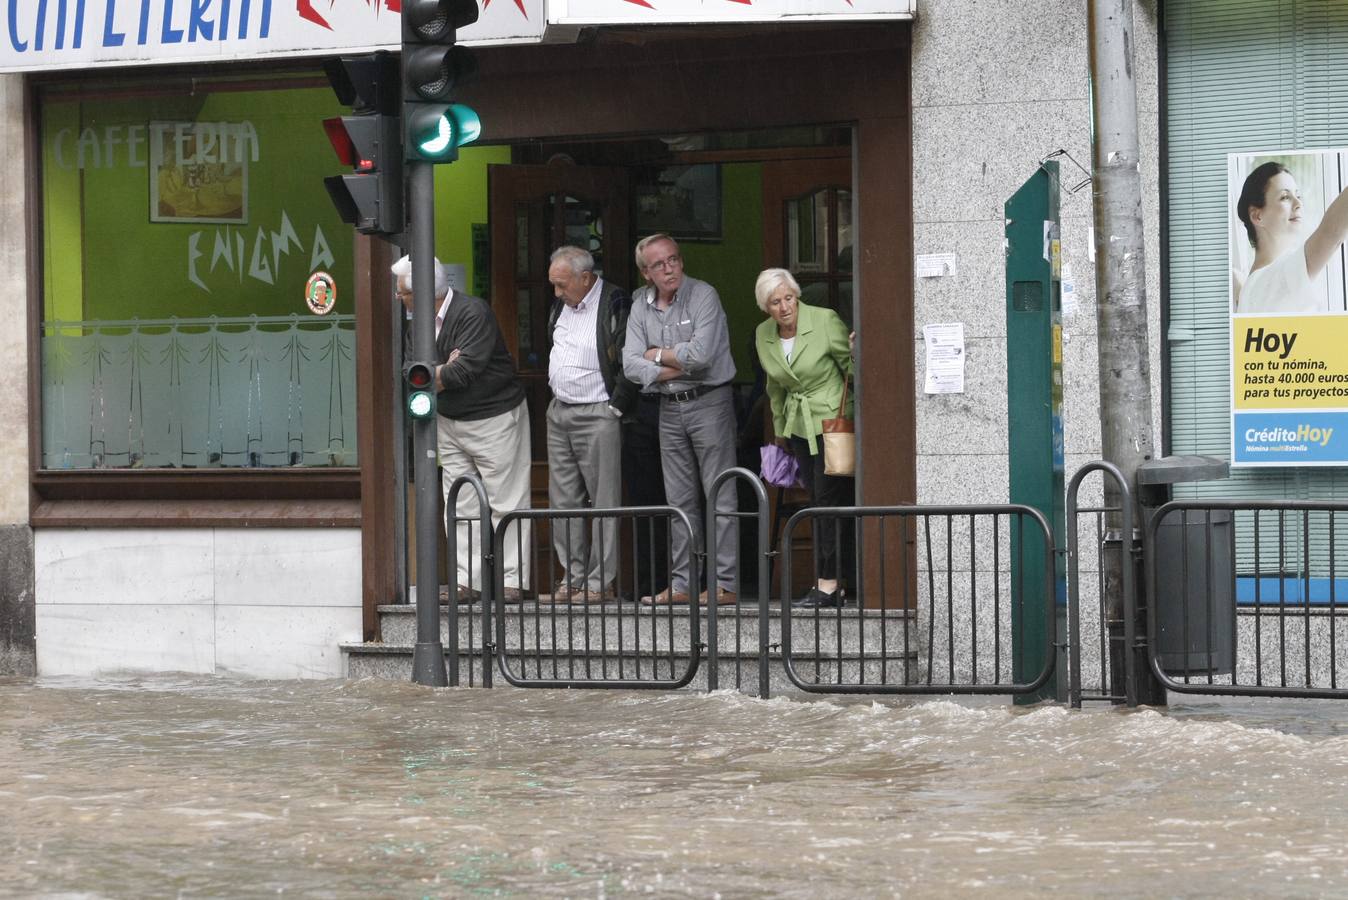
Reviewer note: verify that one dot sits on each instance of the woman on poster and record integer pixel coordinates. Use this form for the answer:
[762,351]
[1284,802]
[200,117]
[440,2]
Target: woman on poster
[1280,277]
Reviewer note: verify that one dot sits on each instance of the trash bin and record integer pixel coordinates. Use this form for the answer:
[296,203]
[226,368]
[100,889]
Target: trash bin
[1195,606]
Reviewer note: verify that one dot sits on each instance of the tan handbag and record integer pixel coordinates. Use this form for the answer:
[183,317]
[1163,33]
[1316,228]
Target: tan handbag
[840,442]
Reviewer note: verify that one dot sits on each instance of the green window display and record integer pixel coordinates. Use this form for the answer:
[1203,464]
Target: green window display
[182,221]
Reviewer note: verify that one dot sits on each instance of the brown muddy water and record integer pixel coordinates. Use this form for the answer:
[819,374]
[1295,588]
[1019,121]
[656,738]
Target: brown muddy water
[163,787]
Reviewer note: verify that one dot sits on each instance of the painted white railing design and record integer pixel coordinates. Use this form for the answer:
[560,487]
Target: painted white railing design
[256,391]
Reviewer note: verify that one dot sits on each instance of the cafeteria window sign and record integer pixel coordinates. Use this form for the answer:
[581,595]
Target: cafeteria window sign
[610,12]
[79,34]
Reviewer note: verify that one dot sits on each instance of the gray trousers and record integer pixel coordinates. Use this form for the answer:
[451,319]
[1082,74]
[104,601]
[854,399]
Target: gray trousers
[584,469]
[697,443]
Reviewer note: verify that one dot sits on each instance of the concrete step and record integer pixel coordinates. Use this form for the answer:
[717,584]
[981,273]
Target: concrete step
[580,669]
[616,627]
[651,647]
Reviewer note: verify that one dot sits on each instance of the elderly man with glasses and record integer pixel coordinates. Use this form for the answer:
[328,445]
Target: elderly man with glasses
[678,347]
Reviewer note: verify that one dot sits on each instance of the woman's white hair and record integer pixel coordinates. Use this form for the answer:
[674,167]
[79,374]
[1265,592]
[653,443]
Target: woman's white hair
[402,270]
[768,281]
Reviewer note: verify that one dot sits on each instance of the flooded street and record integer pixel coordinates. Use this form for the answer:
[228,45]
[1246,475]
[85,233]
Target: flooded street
[209,787]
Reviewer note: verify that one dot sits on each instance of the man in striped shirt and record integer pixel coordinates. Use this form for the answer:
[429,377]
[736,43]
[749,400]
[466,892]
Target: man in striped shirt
[590,397]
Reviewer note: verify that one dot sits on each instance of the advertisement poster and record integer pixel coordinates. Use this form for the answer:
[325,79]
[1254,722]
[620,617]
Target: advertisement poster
[1289,321]
[199,171]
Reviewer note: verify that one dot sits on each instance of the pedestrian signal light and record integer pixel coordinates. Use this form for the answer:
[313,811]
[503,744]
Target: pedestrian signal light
[420,378]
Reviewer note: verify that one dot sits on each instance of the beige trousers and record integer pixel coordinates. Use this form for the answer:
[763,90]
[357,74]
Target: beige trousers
[497,451]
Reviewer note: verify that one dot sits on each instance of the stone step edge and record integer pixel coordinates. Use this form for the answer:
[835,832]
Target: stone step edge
[680,612]
[382,649]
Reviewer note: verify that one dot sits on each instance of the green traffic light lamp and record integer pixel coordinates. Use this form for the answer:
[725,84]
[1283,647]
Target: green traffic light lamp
[420,397]
[435,132]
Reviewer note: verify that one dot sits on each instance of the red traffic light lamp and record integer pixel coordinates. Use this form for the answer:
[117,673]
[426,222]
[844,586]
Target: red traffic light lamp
[369,141]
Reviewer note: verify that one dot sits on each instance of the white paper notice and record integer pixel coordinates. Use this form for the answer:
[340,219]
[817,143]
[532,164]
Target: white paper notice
[1069,292]
[934,265]
[945,358]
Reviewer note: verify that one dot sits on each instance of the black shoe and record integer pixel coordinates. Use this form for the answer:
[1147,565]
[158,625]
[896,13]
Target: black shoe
[817,599]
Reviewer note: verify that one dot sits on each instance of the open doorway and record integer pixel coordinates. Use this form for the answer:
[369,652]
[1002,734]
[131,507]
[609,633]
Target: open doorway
[736,202]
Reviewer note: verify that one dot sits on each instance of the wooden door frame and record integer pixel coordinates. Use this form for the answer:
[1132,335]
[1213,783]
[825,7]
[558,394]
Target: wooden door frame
[703,79]
[542,179]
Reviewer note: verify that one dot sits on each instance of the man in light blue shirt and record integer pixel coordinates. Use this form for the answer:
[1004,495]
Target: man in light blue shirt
[678,347]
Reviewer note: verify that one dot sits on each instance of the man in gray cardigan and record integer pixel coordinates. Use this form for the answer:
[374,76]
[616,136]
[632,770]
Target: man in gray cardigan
[590,396]
[482,427]
[678,347]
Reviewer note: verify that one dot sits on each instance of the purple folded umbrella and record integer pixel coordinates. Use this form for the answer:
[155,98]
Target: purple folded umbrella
[779,467]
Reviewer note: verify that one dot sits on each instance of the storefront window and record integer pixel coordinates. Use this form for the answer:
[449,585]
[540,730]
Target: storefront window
[181,227]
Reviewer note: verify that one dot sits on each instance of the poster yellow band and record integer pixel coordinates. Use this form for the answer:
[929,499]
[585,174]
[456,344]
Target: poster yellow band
[1290,362]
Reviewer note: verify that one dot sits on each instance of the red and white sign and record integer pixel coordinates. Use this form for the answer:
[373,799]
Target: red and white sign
[606,12]
[68,34]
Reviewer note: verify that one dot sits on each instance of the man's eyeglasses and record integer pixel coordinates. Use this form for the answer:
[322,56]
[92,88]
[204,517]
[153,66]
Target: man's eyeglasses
[668,263]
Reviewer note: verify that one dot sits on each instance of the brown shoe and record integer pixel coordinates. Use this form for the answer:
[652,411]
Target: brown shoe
[723,597]
[560,594]
[578,595]
[666,598]
[512,595]
[463,594]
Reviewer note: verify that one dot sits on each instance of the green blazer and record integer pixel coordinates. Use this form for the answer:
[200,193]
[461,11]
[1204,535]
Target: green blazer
[807,390]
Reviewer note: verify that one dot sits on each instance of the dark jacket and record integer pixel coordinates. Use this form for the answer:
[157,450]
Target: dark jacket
[482,382]
[614,306]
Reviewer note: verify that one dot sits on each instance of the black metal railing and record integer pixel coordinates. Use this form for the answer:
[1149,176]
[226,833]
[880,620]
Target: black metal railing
[1232,598]
[748,638]
[1109,622]
[555,633]
[1245,597]
[469,614]
[948,606]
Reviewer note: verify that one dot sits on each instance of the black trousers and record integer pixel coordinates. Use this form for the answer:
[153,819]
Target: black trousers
[834,537]
[645,486]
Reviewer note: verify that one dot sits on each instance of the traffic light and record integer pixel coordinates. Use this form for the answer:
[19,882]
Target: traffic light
[433,67]
[370,141]
[420,378]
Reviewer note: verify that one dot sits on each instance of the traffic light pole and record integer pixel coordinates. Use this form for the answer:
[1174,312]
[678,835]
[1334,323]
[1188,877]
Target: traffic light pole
[428,659]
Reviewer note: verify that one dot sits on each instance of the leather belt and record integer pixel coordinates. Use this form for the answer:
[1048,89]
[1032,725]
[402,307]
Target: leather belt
[691,393]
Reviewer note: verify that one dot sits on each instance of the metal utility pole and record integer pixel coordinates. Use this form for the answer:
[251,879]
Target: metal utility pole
[1120,285]
[428,657]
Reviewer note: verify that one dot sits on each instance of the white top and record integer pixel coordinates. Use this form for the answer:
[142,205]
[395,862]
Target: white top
[788,344]
[444,311]
[1282,286]
[573,366]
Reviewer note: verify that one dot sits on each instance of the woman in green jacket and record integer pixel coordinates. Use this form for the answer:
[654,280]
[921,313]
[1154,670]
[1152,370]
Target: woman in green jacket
[806,355]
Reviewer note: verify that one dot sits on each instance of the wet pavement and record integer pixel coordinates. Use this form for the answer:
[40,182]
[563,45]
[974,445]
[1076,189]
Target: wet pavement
[197,787]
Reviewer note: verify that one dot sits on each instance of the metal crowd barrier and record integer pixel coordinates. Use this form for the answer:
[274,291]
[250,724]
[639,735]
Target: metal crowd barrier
[1112,561]
[1247,599]
[744,635]
[1242,598]
[469,626]
[590,639]
[941,616]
